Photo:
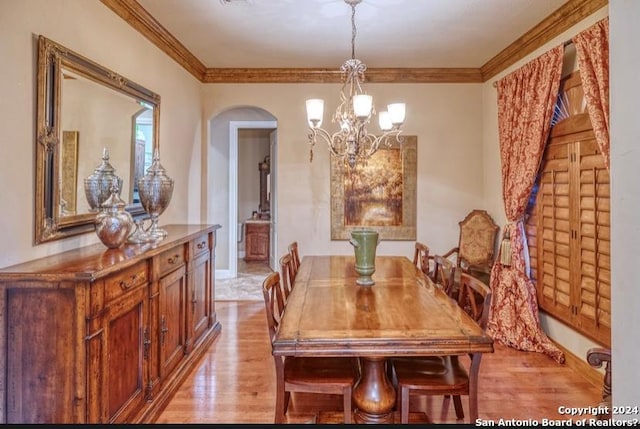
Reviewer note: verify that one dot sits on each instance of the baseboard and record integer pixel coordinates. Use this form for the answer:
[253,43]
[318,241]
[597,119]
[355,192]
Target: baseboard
[581,366]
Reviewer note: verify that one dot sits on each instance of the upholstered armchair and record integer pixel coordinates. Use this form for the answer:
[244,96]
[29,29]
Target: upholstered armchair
[476,245]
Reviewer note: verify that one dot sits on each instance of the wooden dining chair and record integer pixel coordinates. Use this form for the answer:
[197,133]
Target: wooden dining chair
[421,257]
[444,275]
[421,260]
[286,275]
[446,375]
[295,256]
[325,375]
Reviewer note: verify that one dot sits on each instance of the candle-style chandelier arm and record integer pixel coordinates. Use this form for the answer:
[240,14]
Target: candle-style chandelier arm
[352,148]
[382,140]
[335,142]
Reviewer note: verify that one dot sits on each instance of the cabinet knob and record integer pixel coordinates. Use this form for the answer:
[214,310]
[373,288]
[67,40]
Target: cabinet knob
[202,245]
[174,259]
[126,285]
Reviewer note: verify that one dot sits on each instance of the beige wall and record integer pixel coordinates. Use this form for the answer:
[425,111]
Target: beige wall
[446,118]
[93,30]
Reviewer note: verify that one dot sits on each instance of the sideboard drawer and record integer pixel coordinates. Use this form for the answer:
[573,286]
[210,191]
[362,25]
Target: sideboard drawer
[171,259]
[126,280]
[199,245]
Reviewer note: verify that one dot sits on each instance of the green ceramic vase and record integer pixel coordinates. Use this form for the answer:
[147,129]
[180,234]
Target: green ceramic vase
[364,243]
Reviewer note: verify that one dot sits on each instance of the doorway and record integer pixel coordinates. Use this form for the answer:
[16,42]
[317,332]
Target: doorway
[245,138]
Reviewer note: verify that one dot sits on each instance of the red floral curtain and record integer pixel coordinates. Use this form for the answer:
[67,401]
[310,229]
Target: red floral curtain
[592,47]
[526,99]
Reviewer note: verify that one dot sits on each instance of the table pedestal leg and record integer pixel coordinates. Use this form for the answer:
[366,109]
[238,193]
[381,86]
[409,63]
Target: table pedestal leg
[373,395]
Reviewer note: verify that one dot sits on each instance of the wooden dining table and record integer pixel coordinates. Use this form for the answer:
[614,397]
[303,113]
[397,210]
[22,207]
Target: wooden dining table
[403,314]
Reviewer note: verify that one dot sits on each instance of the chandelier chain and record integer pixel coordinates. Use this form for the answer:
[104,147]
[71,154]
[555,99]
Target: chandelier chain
[353,31]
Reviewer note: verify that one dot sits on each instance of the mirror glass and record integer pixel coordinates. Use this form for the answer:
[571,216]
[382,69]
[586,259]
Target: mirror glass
[83,109]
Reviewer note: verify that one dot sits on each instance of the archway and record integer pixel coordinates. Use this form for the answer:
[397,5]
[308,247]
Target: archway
[224,175]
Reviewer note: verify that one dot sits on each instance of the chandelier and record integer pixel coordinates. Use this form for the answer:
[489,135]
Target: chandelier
[352,143]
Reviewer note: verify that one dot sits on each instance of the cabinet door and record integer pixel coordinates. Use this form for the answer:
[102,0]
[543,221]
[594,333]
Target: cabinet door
[257,246]
[172,330]
[200,289]
[41,355]
[125,332]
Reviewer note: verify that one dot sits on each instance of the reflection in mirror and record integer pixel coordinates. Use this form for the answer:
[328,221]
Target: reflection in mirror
[84,108]
[95,117]
[142,149]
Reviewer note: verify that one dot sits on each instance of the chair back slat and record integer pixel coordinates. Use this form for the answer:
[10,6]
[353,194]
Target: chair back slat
[421,257]
[444,272]
[286,274]
[475,298]
[295,257]
[273,302]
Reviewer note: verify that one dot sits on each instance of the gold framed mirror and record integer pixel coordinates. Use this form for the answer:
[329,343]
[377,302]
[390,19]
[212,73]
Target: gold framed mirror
[82,109]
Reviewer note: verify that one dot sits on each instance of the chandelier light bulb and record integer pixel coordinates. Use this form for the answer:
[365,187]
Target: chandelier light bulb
[315,112]
[362,105]
[397,113]
[385,121]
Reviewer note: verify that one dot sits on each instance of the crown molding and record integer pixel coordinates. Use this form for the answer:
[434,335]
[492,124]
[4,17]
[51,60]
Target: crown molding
[373,75]
[566,16]
[138,17]
[563,18]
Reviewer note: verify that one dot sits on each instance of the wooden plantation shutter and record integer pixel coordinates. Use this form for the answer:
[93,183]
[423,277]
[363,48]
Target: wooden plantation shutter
[554,258]
[568,227]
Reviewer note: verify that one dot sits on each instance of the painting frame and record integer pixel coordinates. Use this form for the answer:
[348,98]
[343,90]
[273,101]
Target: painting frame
[69,172]
[405,169]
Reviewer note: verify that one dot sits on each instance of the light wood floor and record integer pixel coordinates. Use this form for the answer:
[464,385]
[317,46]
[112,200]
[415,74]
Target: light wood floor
[235,382]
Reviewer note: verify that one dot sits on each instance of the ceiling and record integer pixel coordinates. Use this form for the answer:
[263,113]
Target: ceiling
[316,34]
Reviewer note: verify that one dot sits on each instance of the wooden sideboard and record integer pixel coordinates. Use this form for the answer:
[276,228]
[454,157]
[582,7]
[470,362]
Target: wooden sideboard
[97,335]
[257,238]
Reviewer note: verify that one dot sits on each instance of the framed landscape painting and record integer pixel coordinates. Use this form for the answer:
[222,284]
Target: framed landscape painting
[379,194]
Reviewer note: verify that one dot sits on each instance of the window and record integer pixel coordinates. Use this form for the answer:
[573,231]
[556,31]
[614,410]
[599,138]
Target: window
[568,223]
